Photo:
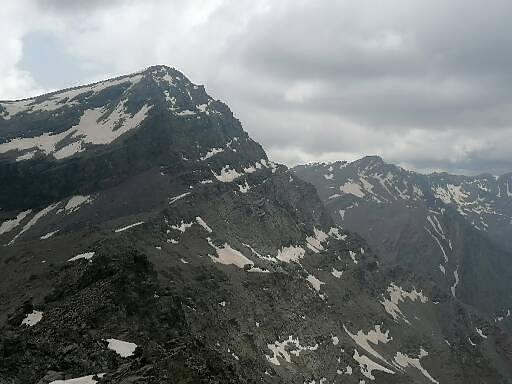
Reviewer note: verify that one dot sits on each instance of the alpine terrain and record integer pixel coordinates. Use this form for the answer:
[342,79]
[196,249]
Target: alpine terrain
[146,238]
[454,230]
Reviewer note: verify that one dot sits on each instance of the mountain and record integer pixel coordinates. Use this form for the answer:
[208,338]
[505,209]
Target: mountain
[146,238]
[453,229]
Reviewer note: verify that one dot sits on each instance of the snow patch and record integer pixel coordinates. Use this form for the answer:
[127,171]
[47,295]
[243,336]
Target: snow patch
[212,152]
[315,283]
[335,232]
[227,255]
[182,227]
[244,188]
[9,225]
[122,229]
[63,98]
[172,200]
[404,361]
[398,295]
[48,235]
[80,380]
[34,220]
[227,175]
[480,333]
[285,349]
[337,274]
[291,253]
[367,366]
[203,224]
[439,244]
[353,189]
[86,256]
[456,277]
[76,202]
[122,348]
[185,112]
[353,256]
[96,126]
[315,242]
[32,318]
[374,336]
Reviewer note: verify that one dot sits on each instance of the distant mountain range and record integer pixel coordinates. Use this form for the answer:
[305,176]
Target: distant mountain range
[455,230]
[146,238]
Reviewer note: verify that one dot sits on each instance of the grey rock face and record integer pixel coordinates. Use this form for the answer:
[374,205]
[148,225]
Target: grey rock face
[177,252]
[453,229]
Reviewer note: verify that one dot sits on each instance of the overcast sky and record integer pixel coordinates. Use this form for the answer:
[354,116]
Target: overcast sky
[426,84]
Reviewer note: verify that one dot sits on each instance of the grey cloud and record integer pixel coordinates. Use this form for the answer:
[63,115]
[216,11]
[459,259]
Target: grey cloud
[434,69]
[74,6]
[425,84]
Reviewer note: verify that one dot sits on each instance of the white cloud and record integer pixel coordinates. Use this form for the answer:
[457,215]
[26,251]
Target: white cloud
[14,82]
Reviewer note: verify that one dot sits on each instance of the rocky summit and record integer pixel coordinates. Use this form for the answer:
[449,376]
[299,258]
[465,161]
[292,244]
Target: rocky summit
[146,238]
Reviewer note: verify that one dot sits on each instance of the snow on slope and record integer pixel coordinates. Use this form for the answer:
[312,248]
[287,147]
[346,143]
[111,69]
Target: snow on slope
[396,296]
[291,253]
[34,220]
[122,348]
[282,350]
[80,380]
[85,256]
[32,318]
[96,126]
[405,361]
[478,198]
[62,99]
[227,255]
[9,225]
[374,336]
[367,366]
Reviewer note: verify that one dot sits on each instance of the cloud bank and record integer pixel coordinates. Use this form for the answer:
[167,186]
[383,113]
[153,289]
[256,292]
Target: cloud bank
[423,84]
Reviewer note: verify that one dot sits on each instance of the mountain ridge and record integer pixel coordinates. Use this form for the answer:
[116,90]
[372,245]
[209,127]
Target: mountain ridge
[382,160]
[93,83]
[180,252]
[389,205]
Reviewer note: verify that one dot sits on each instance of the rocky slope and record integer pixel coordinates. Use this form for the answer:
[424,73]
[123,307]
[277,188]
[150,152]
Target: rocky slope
[453,229]
[147,239]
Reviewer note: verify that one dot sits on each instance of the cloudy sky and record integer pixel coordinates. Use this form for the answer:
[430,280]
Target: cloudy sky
[426,84]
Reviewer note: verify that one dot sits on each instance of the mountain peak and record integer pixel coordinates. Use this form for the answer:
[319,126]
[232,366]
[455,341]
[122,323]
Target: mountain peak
[161,68]
[374,158]
[157,116]
[67,122]
[168,74]
[370,161]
